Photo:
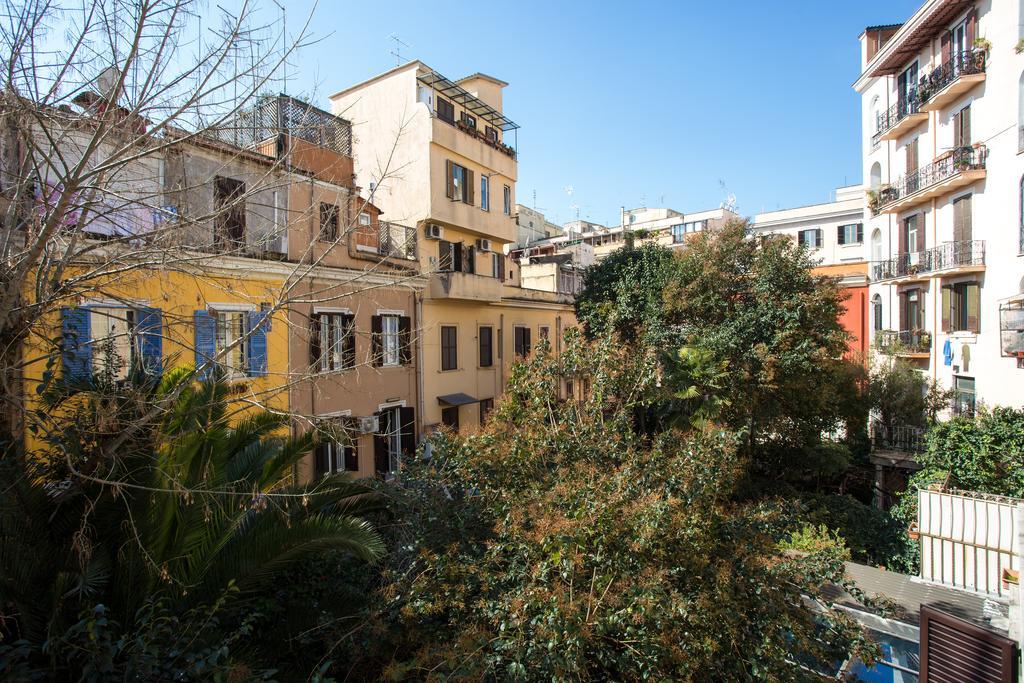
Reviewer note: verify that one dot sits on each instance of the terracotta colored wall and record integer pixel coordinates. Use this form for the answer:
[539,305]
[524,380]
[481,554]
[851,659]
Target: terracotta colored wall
[854,320]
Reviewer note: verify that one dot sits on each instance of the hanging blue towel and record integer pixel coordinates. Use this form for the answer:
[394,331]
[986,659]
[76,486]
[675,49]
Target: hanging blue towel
[947,352]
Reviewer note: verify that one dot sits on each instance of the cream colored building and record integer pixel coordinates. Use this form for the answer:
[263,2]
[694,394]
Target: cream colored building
[532,225]
[436,154]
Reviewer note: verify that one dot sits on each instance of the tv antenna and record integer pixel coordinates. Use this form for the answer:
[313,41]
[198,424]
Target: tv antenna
[396,52]
[729,203]
[284,47]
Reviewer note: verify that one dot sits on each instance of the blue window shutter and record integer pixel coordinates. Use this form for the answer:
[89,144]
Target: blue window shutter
[206,342]
[76,332]
[258,323]
[150,335]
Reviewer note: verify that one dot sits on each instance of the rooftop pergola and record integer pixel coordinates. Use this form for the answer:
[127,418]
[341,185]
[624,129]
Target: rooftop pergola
[460,95]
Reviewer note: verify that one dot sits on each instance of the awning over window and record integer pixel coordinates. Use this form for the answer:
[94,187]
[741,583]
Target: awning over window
[456,399]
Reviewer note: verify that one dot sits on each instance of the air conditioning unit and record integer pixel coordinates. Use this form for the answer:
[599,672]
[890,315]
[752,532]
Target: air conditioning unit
[434,231]
[368,425]
[483,245]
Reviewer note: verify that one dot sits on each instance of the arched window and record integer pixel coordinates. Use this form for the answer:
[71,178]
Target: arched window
[876,245]
[876,175]
[876,312]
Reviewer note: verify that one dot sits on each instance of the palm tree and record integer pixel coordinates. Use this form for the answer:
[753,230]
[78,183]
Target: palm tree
[199,509]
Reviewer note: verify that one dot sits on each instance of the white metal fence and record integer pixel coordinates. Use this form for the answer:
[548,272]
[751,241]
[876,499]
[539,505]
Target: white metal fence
[968,539]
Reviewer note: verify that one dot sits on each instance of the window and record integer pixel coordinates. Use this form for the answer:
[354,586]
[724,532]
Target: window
[961,306]
[507,196]
[812,238]
[568,389]
[486,406]
[335,458]
[912,314]
[900,661]
[450,256]
[913,180]
[543,331]
[328,222]
[876,176]
[445,110]
[469,120]
[876,245]
[585,388]
[876,312]
[230,333]
[680,230]
[962,127]
[491,133]
[396,436]
[460,182]
[851,234]
[485,198]
[332,342]
[235,340]
[964,397]
[364,218]
[498,266]
[963,231]
[522,341]
[392,339]
[229,205]
[449,347]
[913,240]
[450,417]
[486,346]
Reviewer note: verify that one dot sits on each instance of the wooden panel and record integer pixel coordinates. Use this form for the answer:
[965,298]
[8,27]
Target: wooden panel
[954,650]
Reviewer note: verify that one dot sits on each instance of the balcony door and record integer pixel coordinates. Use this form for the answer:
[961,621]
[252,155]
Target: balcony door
[912,239]
[960,47]
[912,315]
[962,229]
[906,90]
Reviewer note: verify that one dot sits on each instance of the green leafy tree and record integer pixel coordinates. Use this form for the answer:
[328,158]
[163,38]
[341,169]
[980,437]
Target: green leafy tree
[201,511]
[563,544]
[758,308]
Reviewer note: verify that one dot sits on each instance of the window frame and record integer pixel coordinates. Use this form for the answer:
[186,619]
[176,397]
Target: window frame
[489,357]
[390,340]
[446,105]
[507,199]
[449,348]
[521,341]
[330,220]
[100,349]
[329,346]
[221,343]
[485,194]
[486,406]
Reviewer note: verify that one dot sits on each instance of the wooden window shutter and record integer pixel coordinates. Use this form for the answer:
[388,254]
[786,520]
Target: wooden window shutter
[954,650]
[77,351]
[314,341]
[470,259]
[912,155]
[903,311]
[405,339]
[377,341]
[381,459]
[205,342]
[962,219]
[457,257]
[149,328]
[468,195]
[860,233]
[259,321]
[407,426]
[351,459]
[947,41]
[501,266]
[841,235]
[449,179]
[965,127]
[348,348]
[972,23]
[903,230]
[947,303]
[973,307]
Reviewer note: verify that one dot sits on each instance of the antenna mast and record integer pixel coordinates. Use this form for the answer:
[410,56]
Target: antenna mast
[396,52]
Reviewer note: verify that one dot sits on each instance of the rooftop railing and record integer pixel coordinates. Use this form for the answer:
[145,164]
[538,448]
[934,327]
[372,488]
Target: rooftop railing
[905,438]
[387,239]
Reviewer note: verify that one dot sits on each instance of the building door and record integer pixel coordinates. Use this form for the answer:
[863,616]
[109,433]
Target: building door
[395,437]
[960,46]
[913,310]
[907,91]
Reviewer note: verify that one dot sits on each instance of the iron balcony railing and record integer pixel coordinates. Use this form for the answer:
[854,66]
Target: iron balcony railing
[905,438]
[959,160]
[387,239]
[960,64]
[903,341]
[904,107]
[943,257]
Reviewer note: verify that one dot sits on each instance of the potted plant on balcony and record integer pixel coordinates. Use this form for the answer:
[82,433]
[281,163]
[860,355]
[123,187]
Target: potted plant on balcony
[982,44]
[912,531]
[1019,47]
[925,340]
[874,199]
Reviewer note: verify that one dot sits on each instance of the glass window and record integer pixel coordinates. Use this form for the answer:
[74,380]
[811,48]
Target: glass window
[336,342]
[114,343]
[231,335]
[450,417]
[486,346]
[445,110]
[851,234]
[458,183]
[900,661]
[390,342]
[486,406]
[876,311]
[449,347]
[811,238]
[334,458]
[328,222]
[522,341]
[964,396]
[507,195]
[485,195]
[364,218]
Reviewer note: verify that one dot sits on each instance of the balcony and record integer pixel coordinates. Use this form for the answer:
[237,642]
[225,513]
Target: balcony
[955,169]
[388,240]
[464,287]
[904,343]
[951,80]
[902,438]
[951,258]
[900,118]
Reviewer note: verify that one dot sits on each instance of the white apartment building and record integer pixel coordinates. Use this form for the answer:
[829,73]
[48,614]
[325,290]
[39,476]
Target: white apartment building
[532,225]
[942,108]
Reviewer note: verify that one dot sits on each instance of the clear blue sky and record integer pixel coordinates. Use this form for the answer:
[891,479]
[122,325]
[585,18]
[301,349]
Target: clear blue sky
[635,102]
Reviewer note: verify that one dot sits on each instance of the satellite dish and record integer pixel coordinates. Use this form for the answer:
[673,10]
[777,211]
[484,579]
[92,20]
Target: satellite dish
[107,81]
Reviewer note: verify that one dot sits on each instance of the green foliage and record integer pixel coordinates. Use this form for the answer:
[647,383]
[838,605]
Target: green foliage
[871,535]
[812,539]
[759,310]
[984,454]
[624,293]
[899,394]
[559,543]
[195,516]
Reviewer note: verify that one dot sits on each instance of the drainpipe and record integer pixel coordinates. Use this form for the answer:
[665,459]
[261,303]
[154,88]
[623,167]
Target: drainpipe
[416,325]
[501,350]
